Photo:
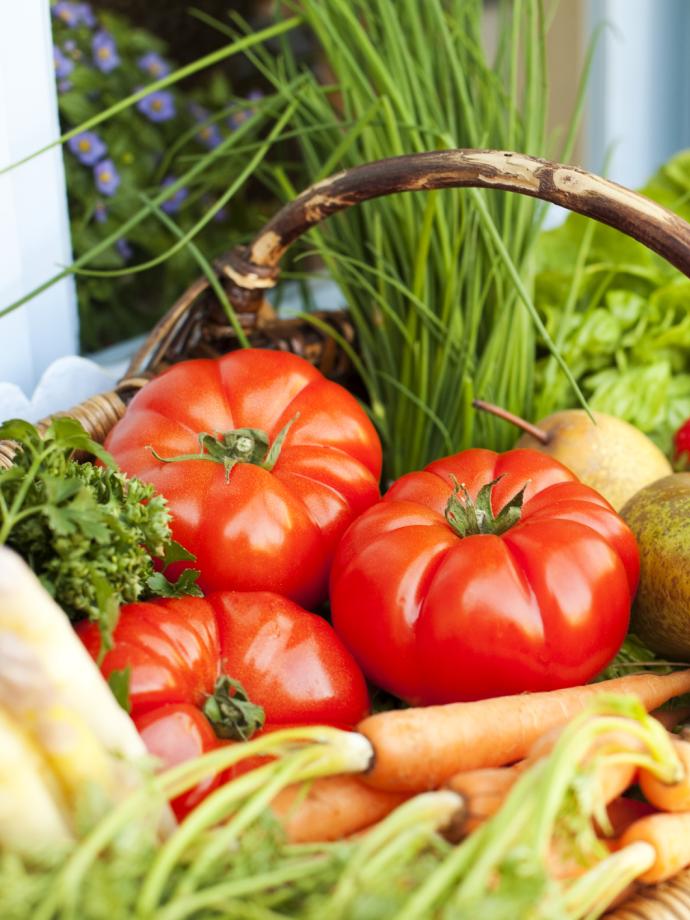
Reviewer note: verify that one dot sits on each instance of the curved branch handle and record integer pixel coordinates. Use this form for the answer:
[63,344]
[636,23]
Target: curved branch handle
[253,269]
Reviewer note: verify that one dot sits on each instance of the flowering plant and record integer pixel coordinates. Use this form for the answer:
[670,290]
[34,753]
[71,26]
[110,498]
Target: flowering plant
[99,59]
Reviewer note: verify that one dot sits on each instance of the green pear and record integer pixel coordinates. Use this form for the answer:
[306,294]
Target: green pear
[659,516]
[609,454]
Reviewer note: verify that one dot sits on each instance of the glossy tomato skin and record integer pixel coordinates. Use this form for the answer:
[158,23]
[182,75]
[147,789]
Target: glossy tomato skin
[434,618]
[175,733]
[289,661]
[257,530]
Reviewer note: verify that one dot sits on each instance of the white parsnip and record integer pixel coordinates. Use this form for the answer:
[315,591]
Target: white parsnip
[33,813]
[44,665]
[50,685]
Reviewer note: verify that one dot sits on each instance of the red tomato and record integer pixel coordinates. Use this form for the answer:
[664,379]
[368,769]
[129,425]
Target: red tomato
[289,661]
[435,617]
[681,445]
[259,526]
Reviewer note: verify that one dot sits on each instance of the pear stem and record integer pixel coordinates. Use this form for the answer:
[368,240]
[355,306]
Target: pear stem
[527,427]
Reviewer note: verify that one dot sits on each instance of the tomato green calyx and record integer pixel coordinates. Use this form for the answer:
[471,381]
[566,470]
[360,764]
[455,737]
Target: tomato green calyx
[241,445]
[469,518]
[230,711]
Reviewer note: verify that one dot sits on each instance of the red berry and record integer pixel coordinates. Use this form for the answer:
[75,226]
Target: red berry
[681,443]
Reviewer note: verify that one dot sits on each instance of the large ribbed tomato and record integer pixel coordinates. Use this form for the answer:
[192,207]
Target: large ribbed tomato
[290,459]
[529,598]
[180,652]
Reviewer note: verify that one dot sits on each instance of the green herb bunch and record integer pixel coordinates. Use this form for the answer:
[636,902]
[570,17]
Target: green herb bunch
[100,59]
[90,533]
[438,284]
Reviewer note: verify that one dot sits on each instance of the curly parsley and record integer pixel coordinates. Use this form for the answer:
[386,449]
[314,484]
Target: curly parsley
[89,532]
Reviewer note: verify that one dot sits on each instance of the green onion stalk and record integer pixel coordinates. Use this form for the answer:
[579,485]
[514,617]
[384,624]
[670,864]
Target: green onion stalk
[438,284]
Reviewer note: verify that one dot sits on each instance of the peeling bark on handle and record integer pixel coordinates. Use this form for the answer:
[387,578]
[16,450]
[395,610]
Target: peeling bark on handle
[254,269]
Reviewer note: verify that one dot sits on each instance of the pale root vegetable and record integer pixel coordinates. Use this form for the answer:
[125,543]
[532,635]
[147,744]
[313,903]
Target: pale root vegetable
[669,835]
[331,808]
[51,686]
[420,748]
[32,812]
[669,796]
[35,633]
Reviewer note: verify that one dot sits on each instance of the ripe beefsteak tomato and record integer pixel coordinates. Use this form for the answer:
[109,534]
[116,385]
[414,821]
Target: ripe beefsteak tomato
[484,574]
[291,667]
[289,460]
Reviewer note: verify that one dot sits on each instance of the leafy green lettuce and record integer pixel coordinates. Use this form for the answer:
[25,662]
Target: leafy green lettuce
[621,316]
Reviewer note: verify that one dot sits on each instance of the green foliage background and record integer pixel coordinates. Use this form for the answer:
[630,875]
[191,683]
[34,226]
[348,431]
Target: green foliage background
[145,153]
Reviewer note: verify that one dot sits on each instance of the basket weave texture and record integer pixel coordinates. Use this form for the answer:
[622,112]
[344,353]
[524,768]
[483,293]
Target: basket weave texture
[197,326]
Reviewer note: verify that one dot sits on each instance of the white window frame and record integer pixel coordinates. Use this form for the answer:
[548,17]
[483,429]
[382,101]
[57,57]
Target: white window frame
[34,224]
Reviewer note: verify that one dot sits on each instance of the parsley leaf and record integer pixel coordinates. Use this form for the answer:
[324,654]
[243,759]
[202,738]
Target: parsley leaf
[90,532]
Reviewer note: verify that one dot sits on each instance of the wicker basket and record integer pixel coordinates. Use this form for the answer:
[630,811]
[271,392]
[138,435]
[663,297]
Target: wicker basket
[196,326]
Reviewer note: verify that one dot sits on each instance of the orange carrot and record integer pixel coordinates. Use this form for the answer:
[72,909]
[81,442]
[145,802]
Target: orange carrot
[483,792]
[420,748]
[331,807]
[669,796]
[669,835]
[623,812]
[614,778]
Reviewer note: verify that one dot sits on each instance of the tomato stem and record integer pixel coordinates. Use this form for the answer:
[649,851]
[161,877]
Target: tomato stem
[240,445]
[468,518]
[230,711]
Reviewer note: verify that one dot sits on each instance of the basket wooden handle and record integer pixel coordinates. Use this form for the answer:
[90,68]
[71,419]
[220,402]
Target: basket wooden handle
[254,268]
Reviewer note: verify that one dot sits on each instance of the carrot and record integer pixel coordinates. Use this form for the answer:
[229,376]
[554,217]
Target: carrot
[331,807]
[669,835]
[669,797]
[614,778]
[623,812]
[420,748]
[483,791]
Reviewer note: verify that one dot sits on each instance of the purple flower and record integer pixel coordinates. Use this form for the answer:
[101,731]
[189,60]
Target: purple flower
[63,65]
[158,106]
[86,15]
[172,205]
[220,215]
[154,65]
[74,14]
[64,86]
[198,112]
[70,45]
[124,249]
[106,177]
[100,212]
[105,54]
[87,147]
[210,136]
[66,12]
